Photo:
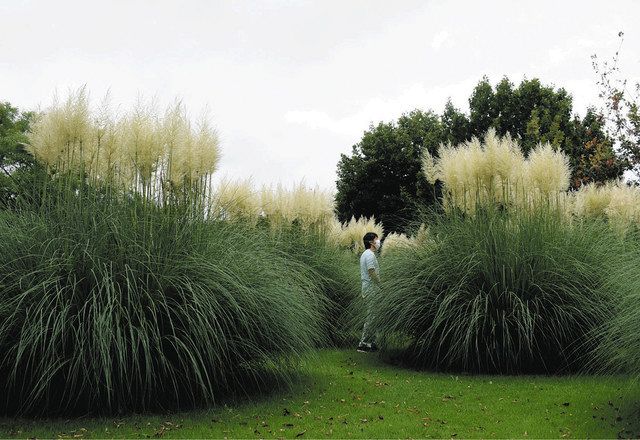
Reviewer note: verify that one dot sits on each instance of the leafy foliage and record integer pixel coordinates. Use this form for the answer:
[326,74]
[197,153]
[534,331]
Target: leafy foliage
[382,177]
[17,167]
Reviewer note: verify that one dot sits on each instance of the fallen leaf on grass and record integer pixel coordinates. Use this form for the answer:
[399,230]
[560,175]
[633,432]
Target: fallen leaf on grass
[300,434]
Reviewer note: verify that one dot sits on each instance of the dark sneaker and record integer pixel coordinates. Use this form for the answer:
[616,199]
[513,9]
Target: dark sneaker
[363,348]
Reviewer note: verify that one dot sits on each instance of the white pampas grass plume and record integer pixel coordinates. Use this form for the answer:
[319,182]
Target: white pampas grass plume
[354,231]
[237,200]
[140,150]
[548,169]
[429,167]
[61,138]
[142,137]
[307,206]
[592,201]
[624,205]
[394,242]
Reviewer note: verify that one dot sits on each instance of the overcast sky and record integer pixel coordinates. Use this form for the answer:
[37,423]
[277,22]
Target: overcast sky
[291,84]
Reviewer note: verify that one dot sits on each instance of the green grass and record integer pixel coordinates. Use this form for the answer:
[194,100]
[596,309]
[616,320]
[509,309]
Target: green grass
[351,395]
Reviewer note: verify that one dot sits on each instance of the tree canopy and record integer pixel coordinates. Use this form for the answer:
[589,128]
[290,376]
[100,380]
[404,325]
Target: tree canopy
[382,176]
[15,162]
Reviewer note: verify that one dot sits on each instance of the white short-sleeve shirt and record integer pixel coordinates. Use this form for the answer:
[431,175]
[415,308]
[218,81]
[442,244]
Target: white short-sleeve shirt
[368,261]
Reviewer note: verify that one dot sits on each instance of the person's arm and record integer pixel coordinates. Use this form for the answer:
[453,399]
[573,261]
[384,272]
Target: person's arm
[374,276]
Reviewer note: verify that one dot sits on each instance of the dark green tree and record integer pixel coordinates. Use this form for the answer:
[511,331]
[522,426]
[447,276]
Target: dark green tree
[591,151]
[455,125]
[531,112]
[382,177]
[534,113]
[17,166]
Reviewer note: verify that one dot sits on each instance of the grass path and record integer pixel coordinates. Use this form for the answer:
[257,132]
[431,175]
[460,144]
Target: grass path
[352,395]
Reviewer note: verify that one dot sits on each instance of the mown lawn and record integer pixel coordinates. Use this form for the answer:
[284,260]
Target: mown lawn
[352,395]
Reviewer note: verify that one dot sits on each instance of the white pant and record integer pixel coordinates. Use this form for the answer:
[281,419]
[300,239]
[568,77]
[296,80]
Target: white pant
[368,336]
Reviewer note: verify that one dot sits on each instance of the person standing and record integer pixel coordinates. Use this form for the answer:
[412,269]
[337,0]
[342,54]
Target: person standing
[370,276]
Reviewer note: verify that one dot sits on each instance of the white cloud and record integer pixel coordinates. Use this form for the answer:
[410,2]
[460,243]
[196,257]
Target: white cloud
[416,96]
[439,39]
[557,55]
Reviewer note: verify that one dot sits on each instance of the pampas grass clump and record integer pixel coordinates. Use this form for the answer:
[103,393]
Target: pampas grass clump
[506,281]
[122,290]
[502,292]
[619,348]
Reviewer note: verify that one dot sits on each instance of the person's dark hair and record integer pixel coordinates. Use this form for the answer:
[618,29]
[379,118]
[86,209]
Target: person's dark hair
[368,239]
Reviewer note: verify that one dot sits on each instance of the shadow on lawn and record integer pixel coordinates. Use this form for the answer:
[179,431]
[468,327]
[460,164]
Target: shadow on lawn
[624,416]
[258,383]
